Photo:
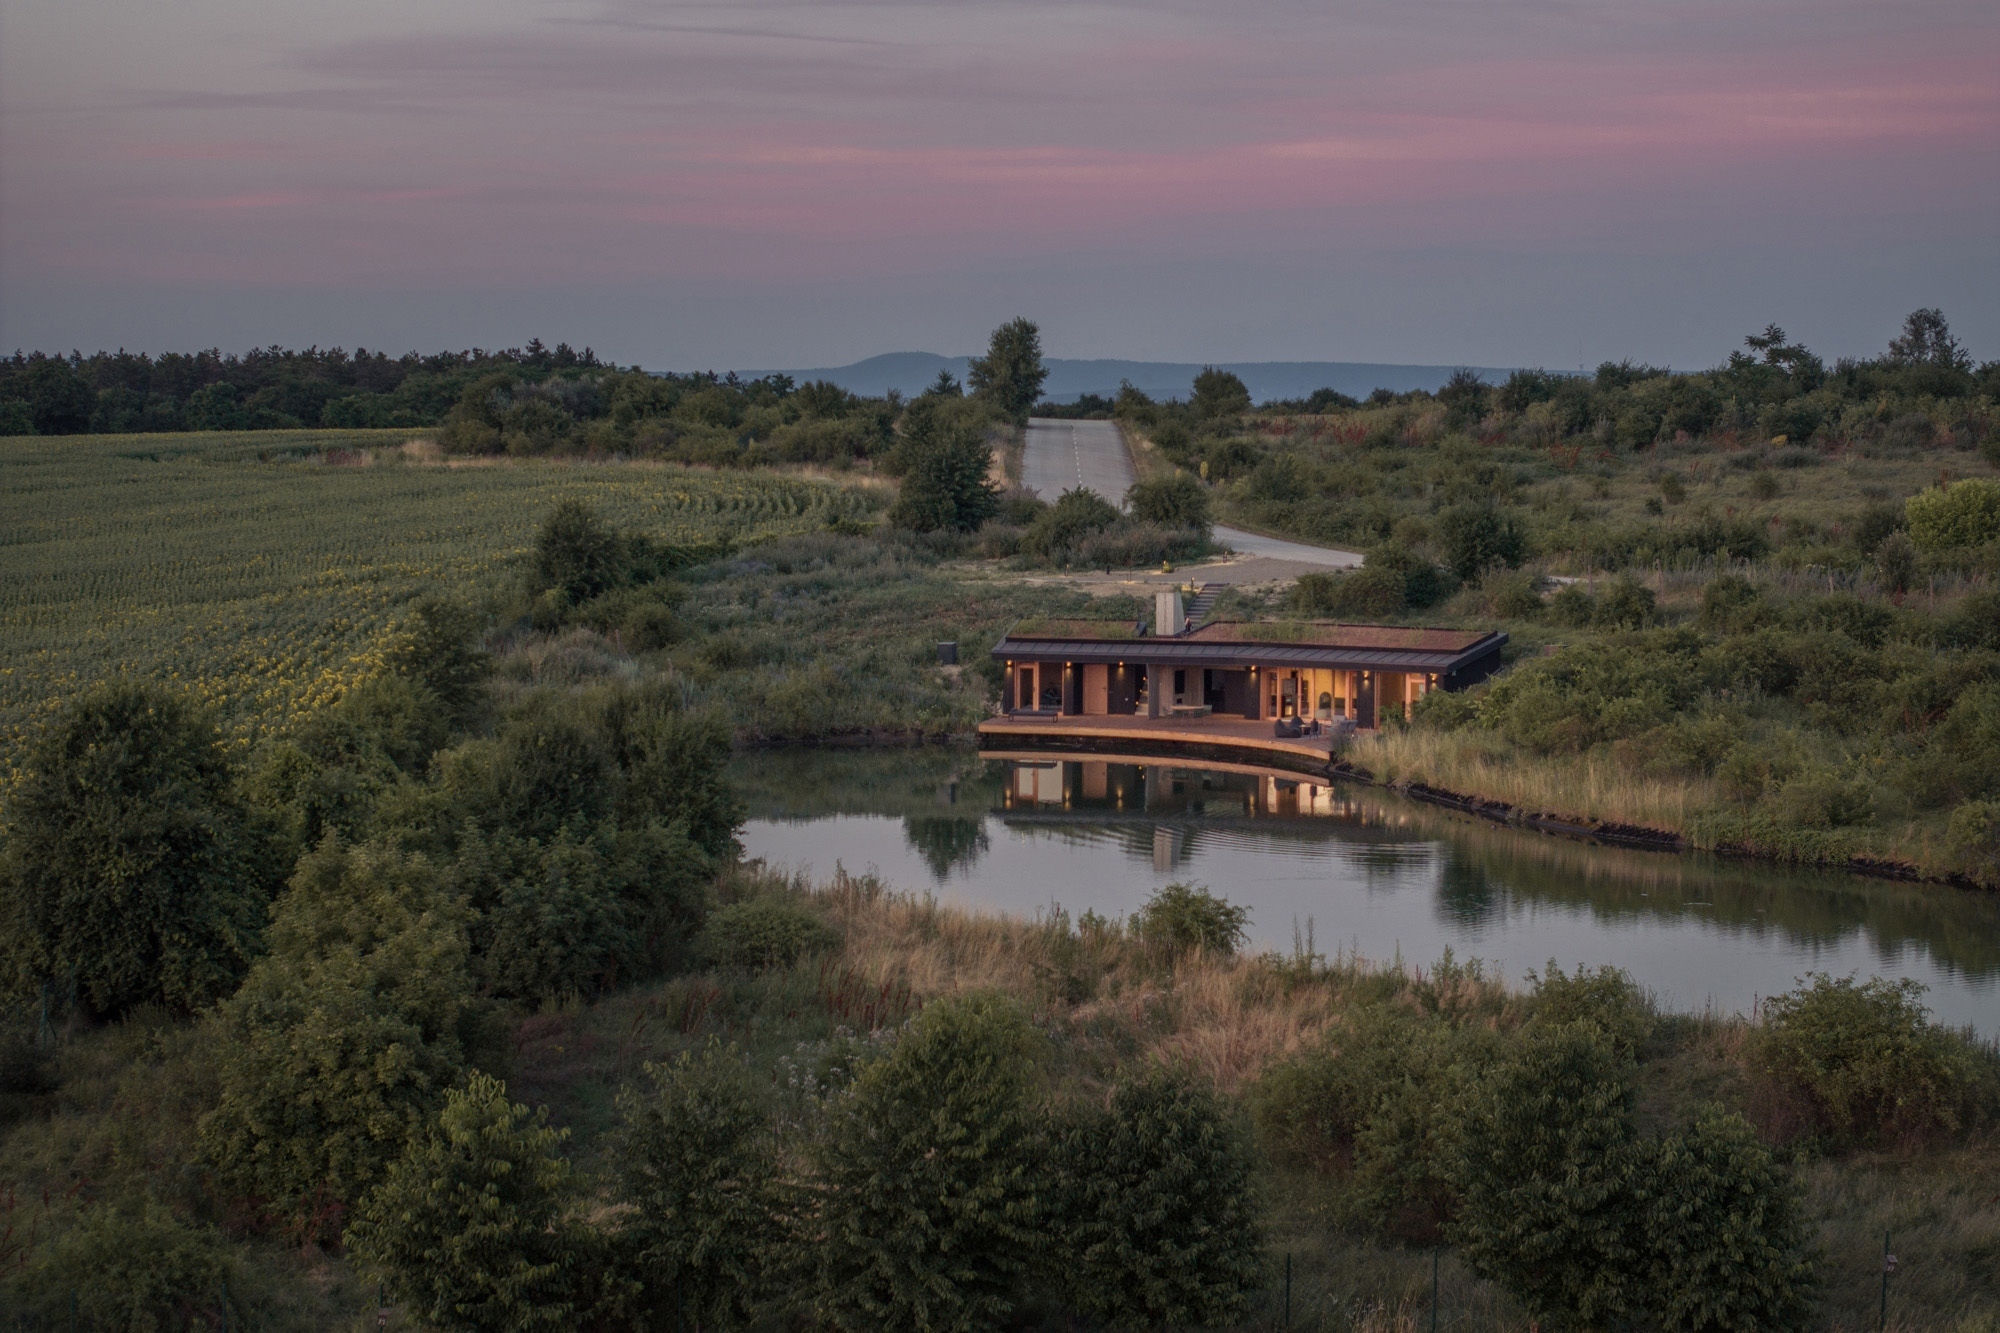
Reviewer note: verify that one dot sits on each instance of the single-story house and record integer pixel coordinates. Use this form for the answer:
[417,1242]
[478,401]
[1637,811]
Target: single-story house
[1256,670]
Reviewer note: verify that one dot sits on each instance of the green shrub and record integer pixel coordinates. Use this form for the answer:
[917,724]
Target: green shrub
[129,866]
[1862,1063]
[632,755]
[330,774]
[1974,834]
[339,1048]
[576,915]
[1728,1244]
[1181,917]
[1819,799]
[1966,513]
[1310,1107]
[1626,604]
[576,554]
[129,1265]
[1596,690]
[1606,999]
[930,1210]
[1727,601]
[1058,531]
[1445,710]
[1365,592]
[473,1229]
[1515,596]
[1572,605]
[1544,1168]
[1424,583]
[1178,500]
[1155,1223]
[764,932]
[696,1162]
[1478,537]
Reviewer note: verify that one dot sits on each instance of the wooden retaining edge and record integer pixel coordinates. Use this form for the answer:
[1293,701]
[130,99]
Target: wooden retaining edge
[1638,835]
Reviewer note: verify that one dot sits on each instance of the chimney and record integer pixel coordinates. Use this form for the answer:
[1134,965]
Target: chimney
[1168,618]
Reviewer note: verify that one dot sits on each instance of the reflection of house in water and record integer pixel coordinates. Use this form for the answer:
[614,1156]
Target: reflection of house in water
[1108,786]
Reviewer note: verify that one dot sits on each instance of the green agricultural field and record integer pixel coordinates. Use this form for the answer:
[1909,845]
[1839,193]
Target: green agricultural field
[259,570]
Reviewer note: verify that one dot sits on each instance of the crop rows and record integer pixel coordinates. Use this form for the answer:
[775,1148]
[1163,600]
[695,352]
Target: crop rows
[262,585]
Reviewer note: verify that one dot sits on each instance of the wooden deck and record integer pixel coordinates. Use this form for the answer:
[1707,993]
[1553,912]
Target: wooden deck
[1203,737]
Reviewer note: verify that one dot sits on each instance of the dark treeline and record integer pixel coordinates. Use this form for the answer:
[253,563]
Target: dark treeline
[1924,389]
[270,388]
[522,401]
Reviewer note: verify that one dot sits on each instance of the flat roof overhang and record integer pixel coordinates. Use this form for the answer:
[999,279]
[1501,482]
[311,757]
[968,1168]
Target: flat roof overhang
[1169,651]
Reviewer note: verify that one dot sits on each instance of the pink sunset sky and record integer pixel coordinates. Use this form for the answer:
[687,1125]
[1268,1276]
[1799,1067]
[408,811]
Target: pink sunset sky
[769,184]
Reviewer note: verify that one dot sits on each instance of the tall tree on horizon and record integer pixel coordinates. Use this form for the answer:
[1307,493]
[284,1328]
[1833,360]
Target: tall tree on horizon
[1011,374]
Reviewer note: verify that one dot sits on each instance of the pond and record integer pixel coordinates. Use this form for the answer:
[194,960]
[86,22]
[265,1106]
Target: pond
[1362,870]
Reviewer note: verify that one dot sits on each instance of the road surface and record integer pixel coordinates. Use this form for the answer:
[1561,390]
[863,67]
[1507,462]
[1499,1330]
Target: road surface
[1062,455]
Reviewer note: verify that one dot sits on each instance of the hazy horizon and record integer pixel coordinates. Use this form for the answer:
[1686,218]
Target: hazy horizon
[771,184]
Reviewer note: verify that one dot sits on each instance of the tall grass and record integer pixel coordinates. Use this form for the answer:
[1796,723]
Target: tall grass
[1583,787]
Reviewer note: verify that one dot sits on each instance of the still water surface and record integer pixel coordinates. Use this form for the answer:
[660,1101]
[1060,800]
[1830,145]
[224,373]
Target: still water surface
[1367,872]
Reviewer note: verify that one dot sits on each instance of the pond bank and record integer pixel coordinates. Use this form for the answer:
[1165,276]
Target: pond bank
[1615,834]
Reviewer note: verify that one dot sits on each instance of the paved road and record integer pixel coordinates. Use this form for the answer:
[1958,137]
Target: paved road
[1061,455]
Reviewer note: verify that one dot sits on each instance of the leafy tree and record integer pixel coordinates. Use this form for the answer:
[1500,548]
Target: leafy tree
[1544,1169]
[1179,500]
[1525,388]
[944,460]
[635,756]
[329,774]
[59,400]
[1927,340]
[1218,394]
[929,1214]
[473,1227]
[339,1049]
[697,1163]
[1011,374]
[1181,917]
[1156,1225]
[946,385]
[1464,396]
[577,913]
[1477,537]
[1727,1241]
[130,866]
[439,646]
[577,554]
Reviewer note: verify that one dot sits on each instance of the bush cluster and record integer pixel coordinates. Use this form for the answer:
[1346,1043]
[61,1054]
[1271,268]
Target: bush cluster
[1523,1148]
[940,1190]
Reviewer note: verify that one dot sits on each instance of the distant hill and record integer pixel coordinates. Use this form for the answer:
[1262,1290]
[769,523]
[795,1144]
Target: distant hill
[910,372]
